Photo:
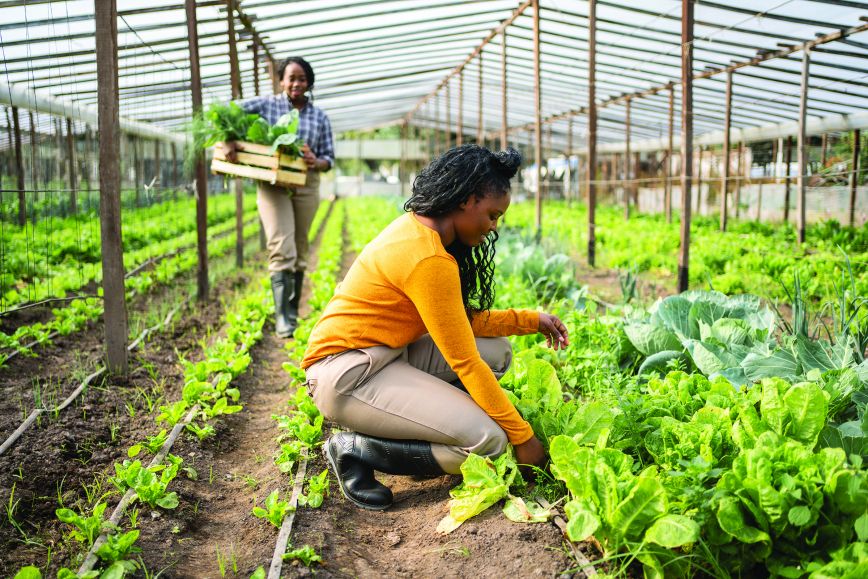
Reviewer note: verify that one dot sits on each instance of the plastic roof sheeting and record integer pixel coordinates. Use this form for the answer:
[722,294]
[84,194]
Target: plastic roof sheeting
[376,59]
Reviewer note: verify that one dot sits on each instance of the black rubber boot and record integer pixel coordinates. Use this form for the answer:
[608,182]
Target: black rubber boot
[282,288]
[354,457]
[292,310]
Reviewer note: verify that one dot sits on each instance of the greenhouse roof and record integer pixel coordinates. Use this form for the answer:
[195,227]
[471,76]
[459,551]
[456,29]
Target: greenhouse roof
[379,62]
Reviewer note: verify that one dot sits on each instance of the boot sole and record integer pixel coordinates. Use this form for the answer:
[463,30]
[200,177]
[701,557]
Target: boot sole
[356,502]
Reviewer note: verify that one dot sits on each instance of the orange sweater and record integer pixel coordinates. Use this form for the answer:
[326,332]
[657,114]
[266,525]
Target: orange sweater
[405,284]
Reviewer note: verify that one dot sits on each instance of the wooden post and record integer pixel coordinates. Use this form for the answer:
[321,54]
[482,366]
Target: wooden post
[114,299]
[402,177]
[158,178]
[591,172]
[19,169]
[628,159]
[459,130]
[738,173]
[235,79]
[569,190]
[637,177]
[787,180]
[667,194]
[34,156]
[255,49]
[201,177]
[537,97]
[854,175]
[479,127]
[824,149]
[727,128]
[70,159]
[58,128]
[134,142]
[272,74]
[88,152]
[802,181]
[175,180]
[504,143]
[686,140]
[448,134]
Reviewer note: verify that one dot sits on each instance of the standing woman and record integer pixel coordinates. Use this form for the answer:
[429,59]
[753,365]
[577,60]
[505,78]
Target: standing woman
[408,352]
[287,212]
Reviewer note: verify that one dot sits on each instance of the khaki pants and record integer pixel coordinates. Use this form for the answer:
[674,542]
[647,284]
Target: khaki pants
[286,217]
[406,394]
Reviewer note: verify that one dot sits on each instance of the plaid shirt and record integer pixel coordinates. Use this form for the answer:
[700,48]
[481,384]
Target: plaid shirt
[313,124]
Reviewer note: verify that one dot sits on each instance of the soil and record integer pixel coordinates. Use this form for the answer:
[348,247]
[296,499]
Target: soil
[64,460]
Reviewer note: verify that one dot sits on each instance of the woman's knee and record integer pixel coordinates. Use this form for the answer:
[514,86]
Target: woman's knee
[490,441]
[497,353]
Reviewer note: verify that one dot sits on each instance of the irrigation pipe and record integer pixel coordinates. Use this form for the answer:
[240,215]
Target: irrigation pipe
[115,518]
[286,527]
[585,565]
[39,411]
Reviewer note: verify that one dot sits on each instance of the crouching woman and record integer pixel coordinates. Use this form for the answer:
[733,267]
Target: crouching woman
[408,352]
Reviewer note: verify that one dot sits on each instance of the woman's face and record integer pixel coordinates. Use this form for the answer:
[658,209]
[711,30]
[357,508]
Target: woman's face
[477,217]
[294,81]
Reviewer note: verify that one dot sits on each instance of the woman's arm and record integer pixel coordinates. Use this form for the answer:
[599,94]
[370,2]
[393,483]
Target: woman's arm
[434,288]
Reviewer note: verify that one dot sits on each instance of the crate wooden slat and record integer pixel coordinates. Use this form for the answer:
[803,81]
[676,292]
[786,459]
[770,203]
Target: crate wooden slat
[258,162]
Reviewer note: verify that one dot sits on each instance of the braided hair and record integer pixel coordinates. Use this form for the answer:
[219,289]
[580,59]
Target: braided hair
[446,183]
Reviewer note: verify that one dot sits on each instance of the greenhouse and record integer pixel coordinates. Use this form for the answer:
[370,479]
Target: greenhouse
[389,288]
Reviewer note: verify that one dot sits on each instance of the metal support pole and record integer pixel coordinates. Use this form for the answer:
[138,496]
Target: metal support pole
[727,127]
[114,300]
[667,193]
[628,159]
[235,79]
[459,130]
[19,169]
[802,181]
[70,159]
[479,127]
[686,140]
[854,176]
[504,127]
[88,152]
[437,125]
[201,176]
[537,97]
[591,173]
[134,142]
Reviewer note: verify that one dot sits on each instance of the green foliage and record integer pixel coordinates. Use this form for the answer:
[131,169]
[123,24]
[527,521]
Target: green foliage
[317,490]
[307,555]
[150,488]
[87,529]
[275,509]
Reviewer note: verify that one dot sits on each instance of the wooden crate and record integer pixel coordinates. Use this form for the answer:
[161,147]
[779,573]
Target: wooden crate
[258,162]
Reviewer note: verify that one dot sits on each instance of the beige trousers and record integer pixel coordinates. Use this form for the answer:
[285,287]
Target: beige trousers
[286,217]
[406,393]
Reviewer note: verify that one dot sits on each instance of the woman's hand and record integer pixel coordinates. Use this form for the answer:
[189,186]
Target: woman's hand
[554,330]
[310,159]
[531,452]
